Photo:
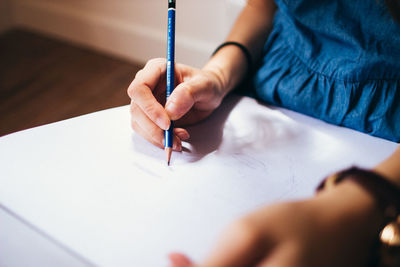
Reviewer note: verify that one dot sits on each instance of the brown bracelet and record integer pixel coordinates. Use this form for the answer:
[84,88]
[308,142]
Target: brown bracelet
[387,196]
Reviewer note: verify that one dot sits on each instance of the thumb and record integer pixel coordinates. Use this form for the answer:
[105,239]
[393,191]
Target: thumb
[180,101]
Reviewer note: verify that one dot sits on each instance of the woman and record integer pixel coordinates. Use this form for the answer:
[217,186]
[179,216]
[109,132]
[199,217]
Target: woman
[335,60]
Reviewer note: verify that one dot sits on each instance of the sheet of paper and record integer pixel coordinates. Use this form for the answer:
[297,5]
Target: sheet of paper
[102,191]
[22,245]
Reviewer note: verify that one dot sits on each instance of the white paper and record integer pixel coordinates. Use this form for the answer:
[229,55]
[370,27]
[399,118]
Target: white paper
[104,192]
[22,245]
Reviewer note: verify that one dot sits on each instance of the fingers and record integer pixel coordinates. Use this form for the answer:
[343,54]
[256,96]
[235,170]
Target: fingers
[152,133]
[180,260]
[149,117]
[151,75]
[152,139]
[147,93]
[177,141]
[147,126]
[145,101]
[152,129]
[182,133]
[141,93]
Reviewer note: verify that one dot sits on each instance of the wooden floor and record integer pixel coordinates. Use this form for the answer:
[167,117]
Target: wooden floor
[44,80]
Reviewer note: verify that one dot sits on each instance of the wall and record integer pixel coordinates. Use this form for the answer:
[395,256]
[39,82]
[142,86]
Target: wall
[5,15]
[132,29]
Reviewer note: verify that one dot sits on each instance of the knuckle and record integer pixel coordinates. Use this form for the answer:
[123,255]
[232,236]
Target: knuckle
[138,74]
[133,86]
[137,92]
[129,91]
[134,125]
[155,61]
[133,89]
[134,109]
[150,110]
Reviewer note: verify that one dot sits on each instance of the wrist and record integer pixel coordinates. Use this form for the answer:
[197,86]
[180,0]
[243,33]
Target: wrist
[352,204]
[230,64]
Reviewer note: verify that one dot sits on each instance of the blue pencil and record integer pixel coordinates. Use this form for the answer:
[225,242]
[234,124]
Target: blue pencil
[170,72]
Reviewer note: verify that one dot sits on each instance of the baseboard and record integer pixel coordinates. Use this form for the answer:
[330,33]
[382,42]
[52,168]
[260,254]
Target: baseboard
[107,34]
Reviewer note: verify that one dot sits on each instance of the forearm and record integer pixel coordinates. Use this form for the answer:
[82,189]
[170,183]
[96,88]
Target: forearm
[250,29]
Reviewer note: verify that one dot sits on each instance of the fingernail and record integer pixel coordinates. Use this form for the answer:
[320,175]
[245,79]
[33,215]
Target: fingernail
[163,124]
[183,135]
[179,146]
[171,108]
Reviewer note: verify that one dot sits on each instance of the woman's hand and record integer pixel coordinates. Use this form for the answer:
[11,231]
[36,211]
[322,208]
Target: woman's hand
[197,94]
[335,228]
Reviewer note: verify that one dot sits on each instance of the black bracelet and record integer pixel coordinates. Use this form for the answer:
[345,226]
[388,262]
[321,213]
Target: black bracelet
[244,50]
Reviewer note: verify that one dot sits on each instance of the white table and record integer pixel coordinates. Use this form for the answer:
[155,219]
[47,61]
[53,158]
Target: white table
[88,191]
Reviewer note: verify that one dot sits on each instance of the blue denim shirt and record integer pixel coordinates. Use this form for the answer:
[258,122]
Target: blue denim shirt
[337,60]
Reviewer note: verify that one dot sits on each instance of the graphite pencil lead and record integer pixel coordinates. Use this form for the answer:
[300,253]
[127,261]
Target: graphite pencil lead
[168,152]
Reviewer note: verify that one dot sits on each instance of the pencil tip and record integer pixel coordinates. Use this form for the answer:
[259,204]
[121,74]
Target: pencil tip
[168,151]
